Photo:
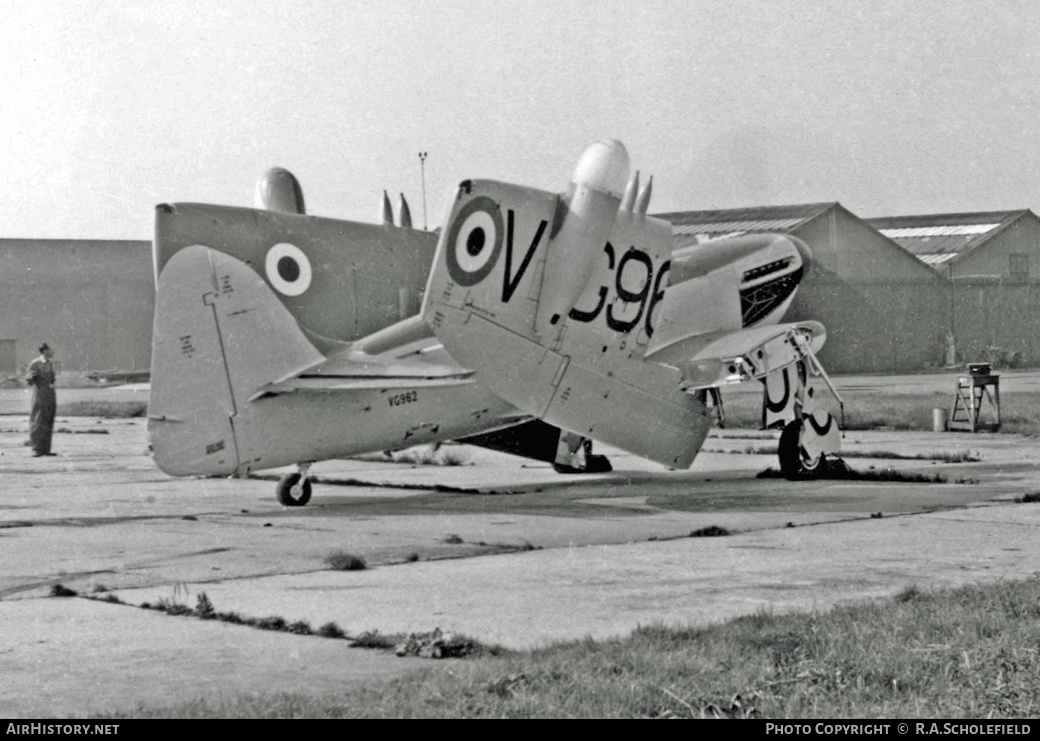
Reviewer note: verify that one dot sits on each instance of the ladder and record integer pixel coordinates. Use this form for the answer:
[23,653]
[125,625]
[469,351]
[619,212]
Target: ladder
[972,392]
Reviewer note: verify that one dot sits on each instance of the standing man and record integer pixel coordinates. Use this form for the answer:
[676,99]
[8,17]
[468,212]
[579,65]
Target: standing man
[44,402]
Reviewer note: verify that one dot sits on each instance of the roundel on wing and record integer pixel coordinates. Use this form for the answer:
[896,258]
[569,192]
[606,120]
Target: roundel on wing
[474,241]
[288,269]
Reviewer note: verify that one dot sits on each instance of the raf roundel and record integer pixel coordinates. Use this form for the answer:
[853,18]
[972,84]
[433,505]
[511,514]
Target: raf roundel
[474,241]
[288,269]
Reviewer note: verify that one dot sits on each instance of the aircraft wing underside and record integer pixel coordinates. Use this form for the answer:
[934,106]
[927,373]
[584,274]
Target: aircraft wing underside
[734,356]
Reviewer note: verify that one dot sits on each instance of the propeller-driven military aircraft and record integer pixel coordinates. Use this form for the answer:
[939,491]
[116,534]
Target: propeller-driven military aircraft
[536,323]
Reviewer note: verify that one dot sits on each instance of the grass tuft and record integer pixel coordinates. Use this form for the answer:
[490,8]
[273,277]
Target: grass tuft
[60,590]
[331,630]
[909,594]
[712,531]
[273,622]
[455,457]
[173,607]
[374,639]
[204,608]
[344,561]
[453,539]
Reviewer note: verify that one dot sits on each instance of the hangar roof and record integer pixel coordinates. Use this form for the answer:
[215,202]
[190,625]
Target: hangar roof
[695,227]
[937,239]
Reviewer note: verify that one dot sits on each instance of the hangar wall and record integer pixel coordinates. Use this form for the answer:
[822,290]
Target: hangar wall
[92,301]
[991,261]
[996,296]
[884,310]
[993,318]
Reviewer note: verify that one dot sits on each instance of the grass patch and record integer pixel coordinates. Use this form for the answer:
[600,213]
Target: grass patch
[105,409]
[837,470]
[205,610]
[60,590]
[453,539]
[963,456]
[375,639]
[439,645]
[344,561]
[964,653]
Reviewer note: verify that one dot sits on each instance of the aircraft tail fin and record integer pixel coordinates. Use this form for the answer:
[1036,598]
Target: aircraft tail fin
[212,349]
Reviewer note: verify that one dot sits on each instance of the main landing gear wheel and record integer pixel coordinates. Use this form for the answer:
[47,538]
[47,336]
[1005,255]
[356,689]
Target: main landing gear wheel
[795,462]
[294,490]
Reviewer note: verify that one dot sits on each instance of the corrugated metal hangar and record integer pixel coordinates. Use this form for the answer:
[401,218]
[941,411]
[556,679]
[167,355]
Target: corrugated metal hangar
[991,261]
[896,293]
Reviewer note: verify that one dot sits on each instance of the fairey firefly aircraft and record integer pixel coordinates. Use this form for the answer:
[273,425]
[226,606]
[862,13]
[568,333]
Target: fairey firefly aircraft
[544,321]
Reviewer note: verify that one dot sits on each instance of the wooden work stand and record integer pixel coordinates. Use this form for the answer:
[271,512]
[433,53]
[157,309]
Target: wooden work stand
[968,401]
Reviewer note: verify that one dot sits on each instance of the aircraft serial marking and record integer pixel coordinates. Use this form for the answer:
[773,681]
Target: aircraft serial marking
[406,398]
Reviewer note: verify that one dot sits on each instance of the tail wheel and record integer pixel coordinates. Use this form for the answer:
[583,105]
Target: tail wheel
[593,464]
[598,464]
[795,462]
[294,490]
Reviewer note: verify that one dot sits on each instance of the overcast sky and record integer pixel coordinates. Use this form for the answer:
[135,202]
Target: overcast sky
[890,107]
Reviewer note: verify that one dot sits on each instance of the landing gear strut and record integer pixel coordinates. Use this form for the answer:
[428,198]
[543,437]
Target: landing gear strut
[294,489]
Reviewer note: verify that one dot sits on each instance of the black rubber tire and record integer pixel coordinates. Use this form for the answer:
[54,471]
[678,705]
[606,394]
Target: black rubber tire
[285,490]
[794,464]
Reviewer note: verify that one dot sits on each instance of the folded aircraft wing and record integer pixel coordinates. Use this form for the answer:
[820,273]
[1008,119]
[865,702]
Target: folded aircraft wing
[734,356]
